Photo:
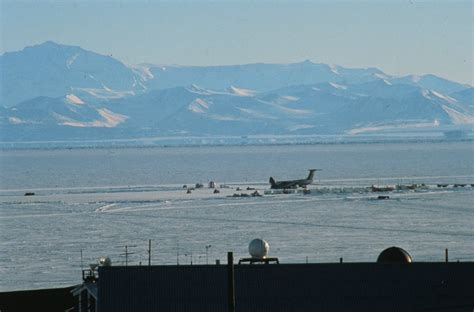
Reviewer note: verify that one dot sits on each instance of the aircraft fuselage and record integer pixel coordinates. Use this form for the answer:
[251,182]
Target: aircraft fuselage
[293,184]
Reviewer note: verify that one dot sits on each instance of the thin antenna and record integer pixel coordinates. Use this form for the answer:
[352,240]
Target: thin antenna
[127,253]
[230,282]
[177,253]
[207,253]
[149,252]
[82,263]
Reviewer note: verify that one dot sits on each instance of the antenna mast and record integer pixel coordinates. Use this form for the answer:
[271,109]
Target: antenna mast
[149,252]
[82,265]
[177,253]
[127,253]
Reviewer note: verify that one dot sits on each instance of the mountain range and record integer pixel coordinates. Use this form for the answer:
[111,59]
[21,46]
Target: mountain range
[52,91]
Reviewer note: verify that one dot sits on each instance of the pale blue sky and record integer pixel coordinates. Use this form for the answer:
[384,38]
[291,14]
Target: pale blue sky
[397,36]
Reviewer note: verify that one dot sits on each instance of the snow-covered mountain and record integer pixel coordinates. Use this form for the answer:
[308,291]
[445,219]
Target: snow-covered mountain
[266,77]
[55,70]
[259,77]
[69,111]
[324,108]
[53,91]
[431,82]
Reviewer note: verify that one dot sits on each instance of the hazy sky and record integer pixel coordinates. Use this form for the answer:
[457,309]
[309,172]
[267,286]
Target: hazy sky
[396,36]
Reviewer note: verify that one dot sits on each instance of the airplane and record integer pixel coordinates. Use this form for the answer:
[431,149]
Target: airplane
[293,184]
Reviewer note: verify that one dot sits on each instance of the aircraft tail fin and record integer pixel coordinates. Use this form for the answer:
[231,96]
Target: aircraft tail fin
[311,174]
[272,181]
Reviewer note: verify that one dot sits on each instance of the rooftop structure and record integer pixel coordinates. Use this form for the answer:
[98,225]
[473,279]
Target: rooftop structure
[393,283]
[290,287]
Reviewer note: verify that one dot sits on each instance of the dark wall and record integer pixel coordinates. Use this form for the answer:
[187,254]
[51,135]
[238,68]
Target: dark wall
[56,299]
[290,287]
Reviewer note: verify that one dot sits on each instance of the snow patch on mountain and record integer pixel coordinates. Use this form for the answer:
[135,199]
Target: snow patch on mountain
[201,91]
[223,118]
[334,69]
[199,106]
[73,99]
[458,118]
[110,120]
[143,71]
[16,121]
[255,114]
[106,93]
[431,95]
[295,111]
[338,86]
[299,127]
[444,97]
[71,60]
[381,76]
[394,126]
[426,94]
[241,92]
[19,121]
[290,98]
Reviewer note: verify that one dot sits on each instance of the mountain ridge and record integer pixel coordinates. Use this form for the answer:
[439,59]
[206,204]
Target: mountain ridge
[52,88]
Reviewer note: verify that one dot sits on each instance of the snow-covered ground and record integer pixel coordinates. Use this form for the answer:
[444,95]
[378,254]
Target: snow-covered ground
[99,200]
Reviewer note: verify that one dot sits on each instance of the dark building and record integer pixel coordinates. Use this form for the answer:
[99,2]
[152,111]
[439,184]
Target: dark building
[394,283]
[289,287]
[54,299]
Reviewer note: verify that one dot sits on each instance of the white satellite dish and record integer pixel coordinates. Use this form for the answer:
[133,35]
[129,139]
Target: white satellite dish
[258,248]
[105,261]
